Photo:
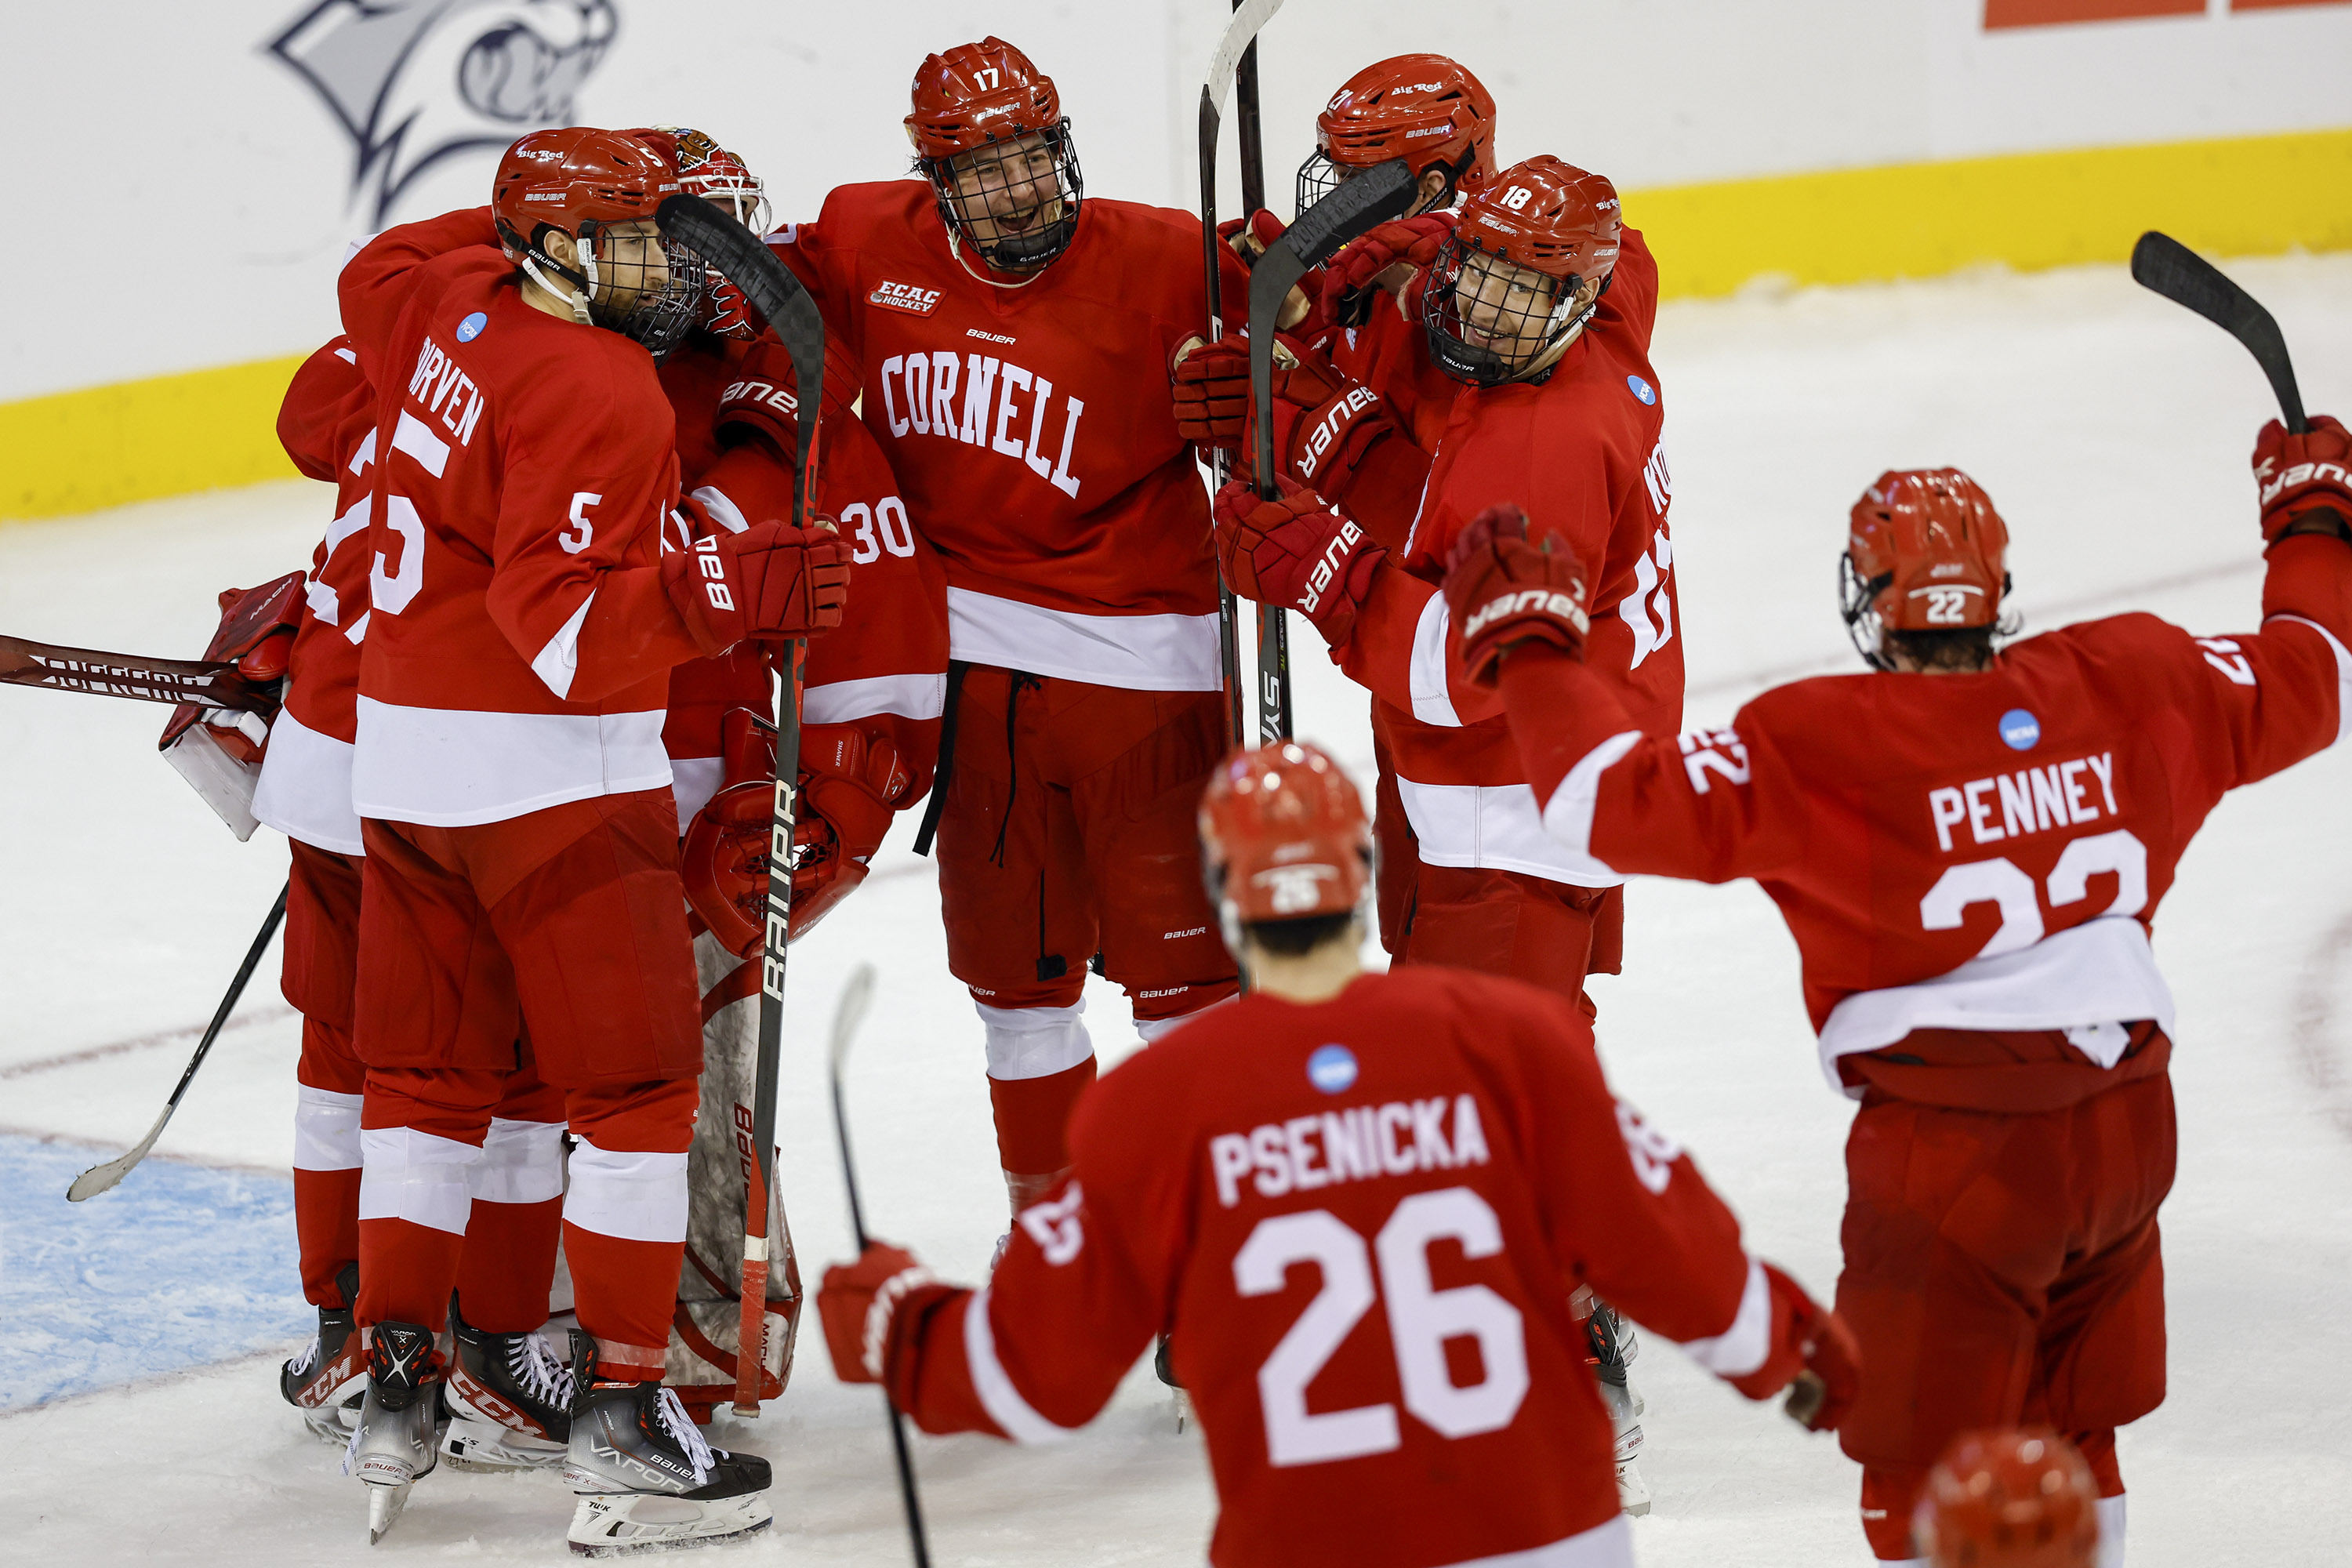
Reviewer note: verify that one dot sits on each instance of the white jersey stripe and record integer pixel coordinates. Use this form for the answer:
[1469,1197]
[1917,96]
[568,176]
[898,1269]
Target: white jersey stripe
[1003,1402]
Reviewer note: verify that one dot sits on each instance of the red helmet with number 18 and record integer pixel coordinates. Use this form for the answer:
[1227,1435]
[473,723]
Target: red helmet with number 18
[1508,289]
[1925,552]
[1282,837]
[1424,109]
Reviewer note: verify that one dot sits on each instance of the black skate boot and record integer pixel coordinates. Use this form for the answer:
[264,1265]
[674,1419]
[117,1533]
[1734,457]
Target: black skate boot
[394,1446]
[324,1381]
[644,1477]
[510,1401]
[1612,1343]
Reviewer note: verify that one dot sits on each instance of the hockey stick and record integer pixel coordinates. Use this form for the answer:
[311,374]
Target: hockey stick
[1380,192]
[1249,15]
[105,1178]
[855,999]
[738,255]
[173,680]
[2169,268]
[1274,718]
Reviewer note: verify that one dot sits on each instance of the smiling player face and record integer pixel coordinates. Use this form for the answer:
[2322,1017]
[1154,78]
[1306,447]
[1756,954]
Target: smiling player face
[1008,189]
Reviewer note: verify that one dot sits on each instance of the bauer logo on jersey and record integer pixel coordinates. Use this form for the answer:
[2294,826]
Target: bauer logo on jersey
[1332,1068]
[907,297]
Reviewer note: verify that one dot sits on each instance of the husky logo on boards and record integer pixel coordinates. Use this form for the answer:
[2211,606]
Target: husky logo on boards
[905,297]
[414,82]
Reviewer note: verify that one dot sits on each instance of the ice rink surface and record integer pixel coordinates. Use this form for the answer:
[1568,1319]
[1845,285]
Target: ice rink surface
[2111,429]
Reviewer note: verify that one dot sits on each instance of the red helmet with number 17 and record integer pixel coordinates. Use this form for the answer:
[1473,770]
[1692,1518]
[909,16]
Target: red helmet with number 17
[1925,552]
[1424,109]
[1282,837]
[971,103]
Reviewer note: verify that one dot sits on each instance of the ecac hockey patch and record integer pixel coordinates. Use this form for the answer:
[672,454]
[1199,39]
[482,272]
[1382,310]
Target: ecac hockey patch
[2020,729]
[905,297]
[1332,1068]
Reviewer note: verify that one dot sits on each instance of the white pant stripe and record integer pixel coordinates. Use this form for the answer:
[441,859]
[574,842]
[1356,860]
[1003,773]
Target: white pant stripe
[420,1177]
[631,1195]
[326,1130]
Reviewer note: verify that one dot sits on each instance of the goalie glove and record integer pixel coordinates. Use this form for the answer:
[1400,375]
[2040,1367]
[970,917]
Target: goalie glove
[1501,590]
[257,633]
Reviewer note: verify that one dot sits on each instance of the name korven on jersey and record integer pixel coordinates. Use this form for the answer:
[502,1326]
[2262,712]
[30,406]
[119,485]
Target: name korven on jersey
[984,402]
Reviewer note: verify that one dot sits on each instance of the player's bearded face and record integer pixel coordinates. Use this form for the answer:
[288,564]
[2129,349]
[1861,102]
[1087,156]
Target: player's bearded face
[630,265]
[1007,190]
[1503,307]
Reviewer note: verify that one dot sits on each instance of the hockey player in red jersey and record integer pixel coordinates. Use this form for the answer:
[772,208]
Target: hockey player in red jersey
[1327,1194]
[508,1398]
[996,314]
[1560,410]
[521,879]
[1969,847]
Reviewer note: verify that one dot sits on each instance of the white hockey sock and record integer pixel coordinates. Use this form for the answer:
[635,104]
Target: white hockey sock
[2111,1531]
[1151,1029]
[1034,1042]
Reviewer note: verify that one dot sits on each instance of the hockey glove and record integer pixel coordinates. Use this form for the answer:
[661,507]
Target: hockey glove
[1501,590]
[868,1306]
[2300,475]
[1296,554]
[1811,1353]
[1323,422]
[772,580]
[1409,243]
[257,633]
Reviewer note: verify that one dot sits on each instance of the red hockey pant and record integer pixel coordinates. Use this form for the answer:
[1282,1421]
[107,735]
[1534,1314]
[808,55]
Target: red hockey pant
[1069,828]
[2001,1268]
[563,929]
[508,1262]
[1497,922]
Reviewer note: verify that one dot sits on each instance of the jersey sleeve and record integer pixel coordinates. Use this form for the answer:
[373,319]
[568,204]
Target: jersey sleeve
[571,505]
[1399,651]
[1633,296]
[1709,805]
[378,280]
[326,389]
[2272,698]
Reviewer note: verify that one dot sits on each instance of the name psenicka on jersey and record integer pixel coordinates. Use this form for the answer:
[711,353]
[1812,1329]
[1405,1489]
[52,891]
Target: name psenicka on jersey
[1355,1144]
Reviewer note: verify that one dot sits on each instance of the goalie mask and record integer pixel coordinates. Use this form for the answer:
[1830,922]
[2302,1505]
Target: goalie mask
[1526,266]
[585,183]
[706,169]
[990,135]
[1424,109]
[1282,837]
[1925,552]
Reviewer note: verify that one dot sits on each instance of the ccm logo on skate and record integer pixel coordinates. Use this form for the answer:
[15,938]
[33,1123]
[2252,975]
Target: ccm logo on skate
[1528,601]
[905,297]
[1328,428]
[1334,555]
[1355,1144]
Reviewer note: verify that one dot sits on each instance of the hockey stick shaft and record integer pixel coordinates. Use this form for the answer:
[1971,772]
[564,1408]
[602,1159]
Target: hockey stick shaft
[855,999]
[103,1178]
[171,680]
[1274,716]
[738,255]
[2164,265]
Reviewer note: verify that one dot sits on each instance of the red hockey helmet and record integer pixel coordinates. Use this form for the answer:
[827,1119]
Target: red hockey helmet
[1282,837]
[1424,109]
[1508,289]
[1925,552]
[969,102]
[706,169]
[580,181]
[2009,1500]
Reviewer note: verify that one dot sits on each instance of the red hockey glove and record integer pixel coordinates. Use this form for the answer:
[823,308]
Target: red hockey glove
[1412,243]
[772,580]
[257,633]
[1245,241]
[1502,590]
[1323,422]
[866,1306]
[851,783]
[2302,473]
[1211,383]
[1812,1355]
[1295,553]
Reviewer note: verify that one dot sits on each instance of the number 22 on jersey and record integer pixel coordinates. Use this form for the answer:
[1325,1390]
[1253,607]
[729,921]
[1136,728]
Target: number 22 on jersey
[1421,1320]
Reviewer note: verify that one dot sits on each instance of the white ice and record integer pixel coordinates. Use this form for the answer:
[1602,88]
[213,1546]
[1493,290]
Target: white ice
[2112,428]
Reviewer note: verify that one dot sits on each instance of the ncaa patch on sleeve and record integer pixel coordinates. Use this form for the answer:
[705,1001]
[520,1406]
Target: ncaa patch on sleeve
[471,327]
[1332,1068]
[1643,389]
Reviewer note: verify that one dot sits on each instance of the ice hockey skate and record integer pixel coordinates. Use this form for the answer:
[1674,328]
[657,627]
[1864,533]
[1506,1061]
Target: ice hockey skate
[1614,1346]
[325,1380]
[510,1402]
[645,1478]
[393,1445]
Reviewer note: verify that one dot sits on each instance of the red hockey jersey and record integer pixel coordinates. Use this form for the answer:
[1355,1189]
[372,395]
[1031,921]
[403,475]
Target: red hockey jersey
[1581,454]
[1361,1221]
[1031,429]
[1980,851]
[519,641]
[327,424]
[885,667]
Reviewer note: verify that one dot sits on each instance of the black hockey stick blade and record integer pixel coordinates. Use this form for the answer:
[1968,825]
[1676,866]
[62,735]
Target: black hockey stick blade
[744,259]
[1380,192]
[105,1178]
[2169,268]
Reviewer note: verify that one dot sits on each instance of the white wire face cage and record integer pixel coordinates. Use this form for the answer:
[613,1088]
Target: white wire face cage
[1457,346]
[966,183]
[743,196]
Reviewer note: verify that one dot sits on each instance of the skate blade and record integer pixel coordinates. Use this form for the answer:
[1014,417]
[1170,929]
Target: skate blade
[1183,1402]
[483,1448]
[386,1505]
[1633,1492]
[633,1524]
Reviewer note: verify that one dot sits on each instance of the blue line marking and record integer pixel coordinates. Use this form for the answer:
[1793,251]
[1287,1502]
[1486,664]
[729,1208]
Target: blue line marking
[178,1267]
